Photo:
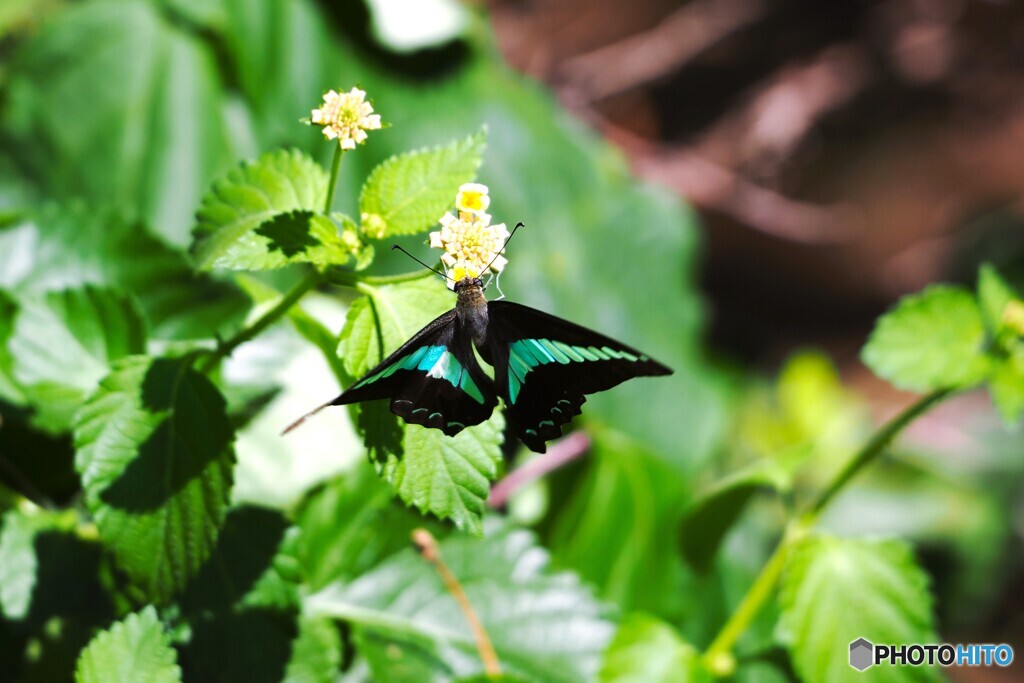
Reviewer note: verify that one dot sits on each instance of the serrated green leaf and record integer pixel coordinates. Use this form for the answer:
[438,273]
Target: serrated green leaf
[264,214]
[445,476]
[713,514]
[150,126]
[647,650]
[1006,386]
[930,340]
[449,476]
[155,456]
[63,344]
[837,590]
[410,192]
[135,650]
[543,626]
[70,246]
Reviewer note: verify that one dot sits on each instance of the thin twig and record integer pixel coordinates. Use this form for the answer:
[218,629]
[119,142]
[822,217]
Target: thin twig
[562,453]
[428,547]
[652,55]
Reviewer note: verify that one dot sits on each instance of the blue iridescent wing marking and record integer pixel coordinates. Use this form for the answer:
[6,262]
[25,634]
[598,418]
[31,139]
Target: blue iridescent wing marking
[433,380]
[544,366]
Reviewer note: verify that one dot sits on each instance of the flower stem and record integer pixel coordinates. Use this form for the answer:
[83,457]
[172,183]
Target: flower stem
[718,657]
[427,546]
[873,448]
[332,183]
[224,350]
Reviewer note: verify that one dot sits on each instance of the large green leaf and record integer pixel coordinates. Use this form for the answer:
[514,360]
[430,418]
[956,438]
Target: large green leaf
[263,214]
[155,455]
[647,650]
[349,525]
[59,248]
[149,127]
[63,344]
[409,193]
[837,590]
[930,340]
[631,558]
[544,626]
[445,476]
[994,294]
[134,650]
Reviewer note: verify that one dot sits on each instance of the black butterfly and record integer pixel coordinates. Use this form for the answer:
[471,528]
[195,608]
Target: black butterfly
[543,367]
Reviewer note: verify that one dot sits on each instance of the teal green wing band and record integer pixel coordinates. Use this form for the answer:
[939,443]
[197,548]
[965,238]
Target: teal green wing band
[526,354]
[438,362]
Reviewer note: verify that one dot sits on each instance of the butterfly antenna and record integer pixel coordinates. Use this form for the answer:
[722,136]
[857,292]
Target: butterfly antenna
[507,240]
[395,246]
[295,425]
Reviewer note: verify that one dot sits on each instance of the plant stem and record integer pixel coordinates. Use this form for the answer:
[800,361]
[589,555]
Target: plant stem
[349,278]
[873,448]
[717,657]
[427,545]
[224,350]
[332,183]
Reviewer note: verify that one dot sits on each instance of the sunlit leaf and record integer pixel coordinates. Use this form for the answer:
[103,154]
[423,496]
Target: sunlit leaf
[135,650]
[544,626]
[931,340]
[63,344]
[263,215]
[647,650]
[410,192]
[837,590]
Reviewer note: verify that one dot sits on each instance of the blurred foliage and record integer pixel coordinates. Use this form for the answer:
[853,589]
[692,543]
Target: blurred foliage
[156,528]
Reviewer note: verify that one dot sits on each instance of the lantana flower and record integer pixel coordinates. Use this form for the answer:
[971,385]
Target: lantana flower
[346,117]
[469,241]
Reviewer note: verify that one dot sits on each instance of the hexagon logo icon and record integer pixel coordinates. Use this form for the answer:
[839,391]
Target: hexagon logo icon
[861,654]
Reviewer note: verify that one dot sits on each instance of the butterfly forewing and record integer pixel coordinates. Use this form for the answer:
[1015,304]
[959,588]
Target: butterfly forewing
[544,367]
[433,380]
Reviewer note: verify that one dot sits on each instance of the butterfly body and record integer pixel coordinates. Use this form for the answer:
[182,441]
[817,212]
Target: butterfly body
[543,368]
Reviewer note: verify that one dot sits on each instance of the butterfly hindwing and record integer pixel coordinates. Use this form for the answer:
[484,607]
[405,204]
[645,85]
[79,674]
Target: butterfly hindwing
[544,367]
[432,380]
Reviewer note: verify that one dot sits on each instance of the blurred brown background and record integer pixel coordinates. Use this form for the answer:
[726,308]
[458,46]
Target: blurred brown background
[841,153]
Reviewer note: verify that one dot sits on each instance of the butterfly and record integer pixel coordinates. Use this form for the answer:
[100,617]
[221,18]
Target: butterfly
[543,368]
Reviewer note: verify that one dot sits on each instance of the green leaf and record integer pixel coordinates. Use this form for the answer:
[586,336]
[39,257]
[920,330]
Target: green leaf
[714,513]
[18,561]
[151,116]
[837,590]
[543,626]
[931,340]
[316,653]
[449,476]
[348,526]
[134,650]
[155,455]
[63,344]
[631,559]
[1006,386]
[70,246]
[994,294]
[445,476]
[647,650]
[9,390]
[408,193]
[263,215]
